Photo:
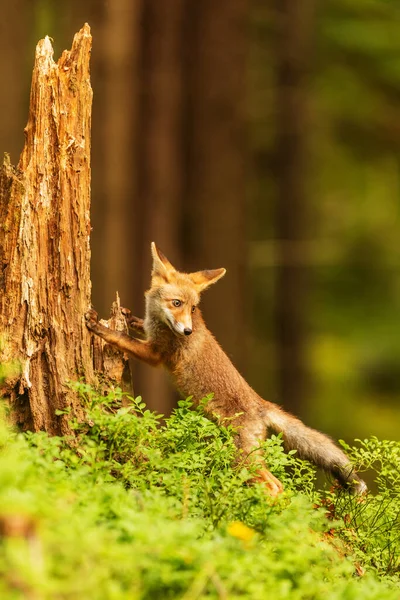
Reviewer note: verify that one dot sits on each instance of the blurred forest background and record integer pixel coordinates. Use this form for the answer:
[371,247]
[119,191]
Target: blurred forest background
[258,135]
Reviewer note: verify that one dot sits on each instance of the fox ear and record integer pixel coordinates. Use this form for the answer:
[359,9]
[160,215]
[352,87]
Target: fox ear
[161,265]
[202,279]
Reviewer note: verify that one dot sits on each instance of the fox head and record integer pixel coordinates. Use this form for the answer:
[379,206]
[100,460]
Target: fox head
[174,296]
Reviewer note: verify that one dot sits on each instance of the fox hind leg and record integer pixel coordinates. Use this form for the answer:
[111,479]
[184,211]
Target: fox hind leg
[247,440]
[272,484]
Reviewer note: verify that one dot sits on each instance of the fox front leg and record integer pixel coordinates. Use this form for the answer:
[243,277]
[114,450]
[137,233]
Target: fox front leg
[140,349]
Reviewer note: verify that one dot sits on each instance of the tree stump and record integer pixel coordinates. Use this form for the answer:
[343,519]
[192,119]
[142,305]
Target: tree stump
[45,282]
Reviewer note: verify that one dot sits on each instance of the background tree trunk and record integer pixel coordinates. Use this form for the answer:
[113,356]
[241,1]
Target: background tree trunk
[160,165]
[191,156]
[295,29]
[215,230]
[14,33]
[44,242]
[114,157]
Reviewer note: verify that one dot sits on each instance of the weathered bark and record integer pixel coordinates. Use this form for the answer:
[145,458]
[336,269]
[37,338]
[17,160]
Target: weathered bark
[295,28]
[44,242]
[107,360]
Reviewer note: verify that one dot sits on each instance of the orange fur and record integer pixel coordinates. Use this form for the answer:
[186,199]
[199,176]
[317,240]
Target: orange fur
[177,338]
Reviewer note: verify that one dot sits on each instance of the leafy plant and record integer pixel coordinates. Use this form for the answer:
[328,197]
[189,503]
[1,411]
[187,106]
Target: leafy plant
[371,525]
[131,507]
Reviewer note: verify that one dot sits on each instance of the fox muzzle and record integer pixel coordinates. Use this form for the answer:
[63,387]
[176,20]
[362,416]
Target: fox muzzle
[182,328]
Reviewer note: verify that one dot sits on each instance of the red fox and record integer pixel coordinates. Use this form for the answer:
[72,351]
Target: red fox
[177,338]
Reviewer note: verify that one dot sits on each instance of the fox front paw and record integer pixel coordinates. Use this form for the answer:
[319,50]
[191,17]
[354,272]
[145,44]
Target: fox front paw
[133,322]
[92,320]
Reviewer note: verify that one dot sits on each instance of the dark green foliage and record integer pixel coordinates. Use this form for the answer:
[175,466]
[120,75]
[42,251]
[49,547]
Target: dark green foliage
[372,526]
[132,508]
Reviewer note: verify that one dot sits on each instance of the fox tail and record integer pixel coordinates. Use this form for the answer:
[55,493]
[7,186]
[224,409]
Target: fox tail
[315,447]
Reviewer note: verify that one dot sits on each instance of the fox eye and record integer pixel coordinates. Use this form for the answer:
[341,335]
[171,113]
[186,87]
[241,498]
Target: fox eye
[193,309]
[177,303]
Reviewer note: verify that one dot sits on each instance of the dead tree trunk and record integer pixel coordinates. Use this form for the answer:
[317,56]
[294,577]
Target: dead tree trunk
[44,242]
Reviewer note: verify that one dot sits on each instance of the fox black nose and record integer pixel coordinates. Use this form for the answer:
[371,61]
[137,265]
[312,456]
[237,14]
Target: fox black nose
[187,331]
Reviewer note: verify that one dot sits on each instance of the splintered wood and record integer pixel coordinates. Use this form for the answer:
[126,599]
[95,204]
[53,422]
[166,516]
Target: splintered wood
[45,285]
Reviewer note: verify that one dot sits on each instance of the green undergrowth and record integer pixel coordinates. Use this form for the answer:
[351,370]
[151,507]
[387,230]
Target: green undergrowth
[133,507]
